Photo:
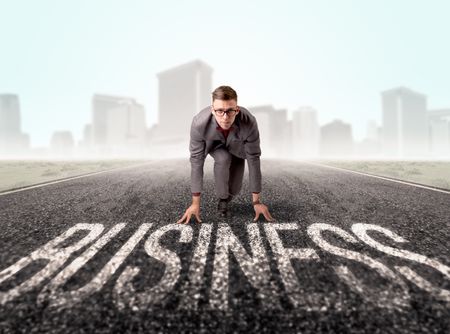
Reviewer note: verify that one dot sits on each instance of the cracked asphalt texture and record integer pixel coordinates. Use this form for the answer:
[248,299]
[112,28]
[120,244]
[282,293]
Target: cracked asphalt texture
[295,192]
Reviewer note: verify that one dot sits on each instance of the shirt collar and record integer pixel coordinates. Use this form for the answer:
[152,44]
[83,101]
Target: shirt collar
[218,127]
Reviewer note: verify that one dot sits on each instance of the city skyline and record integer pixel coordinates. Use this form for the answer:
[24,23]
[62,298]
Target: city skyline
[378,120]
[169,103]
[334,57]
[118,125]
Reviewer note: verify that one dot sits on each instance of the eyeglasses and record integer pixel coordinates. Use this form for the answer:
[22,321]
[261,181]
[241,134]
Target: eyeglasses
[230,112]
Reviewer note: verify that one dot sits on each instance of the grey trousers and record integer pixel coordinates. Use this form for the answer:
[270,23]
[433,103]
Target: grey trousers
[228,173]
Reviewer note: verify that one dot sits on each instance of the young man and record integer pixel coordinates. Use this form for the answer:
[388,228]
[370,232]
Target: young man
[229,133]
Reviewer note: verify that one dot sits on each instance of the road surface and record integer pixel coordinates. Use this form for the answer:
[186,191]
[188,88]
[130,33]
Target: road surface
[347,253]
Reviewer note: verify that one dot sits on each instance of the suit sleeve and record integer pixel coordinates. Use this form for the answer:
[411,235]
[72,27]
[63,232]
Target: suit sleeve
[253,152]
[197,158]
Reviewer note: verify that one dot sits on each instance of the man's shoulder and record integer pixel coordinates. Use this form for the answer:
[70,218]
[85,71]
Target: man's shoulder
[202,118]
[204,113]
[246,116]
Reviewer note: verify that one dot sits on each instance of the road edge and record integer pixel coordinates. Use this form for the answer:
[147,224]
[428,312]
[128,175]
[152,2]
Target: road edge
[418,185]
[64,179]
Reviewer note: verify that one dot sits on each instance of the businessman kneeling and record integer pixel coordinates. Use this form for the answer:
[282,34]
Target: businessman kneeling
[229,133]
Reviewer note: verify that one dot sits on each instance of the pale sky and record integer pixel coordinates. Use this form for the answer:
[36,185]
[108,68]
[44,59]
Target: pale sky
[336,56]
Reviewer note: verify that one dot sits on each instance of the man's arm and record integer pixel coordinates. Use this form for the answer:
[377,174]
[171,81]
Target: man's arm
[255,198]
[197,159]
[253,153]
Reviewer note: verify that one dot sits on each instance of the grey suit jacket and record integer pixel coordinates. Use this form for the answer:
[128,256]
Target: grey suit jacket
[242,141]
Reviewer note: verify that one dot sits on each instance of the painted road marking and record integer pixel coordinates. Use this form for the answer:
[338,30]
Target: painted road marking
[360,230]
[51,252]
[255,267]
[380,177]
[124,292]
[57,297]
[191,290]
[386,296]
[308,301]
[392,294]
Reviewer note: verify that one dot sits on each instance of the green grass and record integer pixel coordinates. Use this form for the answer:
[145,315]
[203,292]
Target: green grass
[17,174]
[431,173]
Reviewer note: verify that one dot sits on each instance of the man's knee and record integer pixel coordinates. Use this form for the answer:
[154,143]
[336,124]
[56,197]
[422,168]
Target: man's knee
[236,176]
[222,157]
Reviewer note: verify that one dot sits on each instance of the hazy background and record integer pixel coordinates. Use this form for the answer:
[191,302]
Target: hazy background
[333,56]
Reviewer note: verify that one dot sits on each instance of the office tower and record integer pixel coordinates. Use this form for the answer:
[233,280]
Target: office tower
[183,91]
[336,139]
[305,133]
[274,131]
[9,115]
[62,143]
[12,140]
[118,124]
[405,129]
[372,131]
[87,140]
[439,132]
[370,146]
[263,115]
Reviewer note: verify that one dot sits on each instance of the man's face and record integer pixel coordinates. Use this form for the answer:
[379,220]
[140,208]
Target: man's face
[225,121]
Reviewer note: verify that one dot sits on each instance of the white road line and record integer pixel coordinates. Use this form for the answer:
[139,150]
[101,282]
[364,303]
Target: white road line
[70,178]
[380,177]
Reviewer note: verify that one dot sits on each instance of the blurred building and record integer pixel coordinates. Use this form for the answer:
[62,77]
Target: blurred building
[118,125]
[183,91]
[370,146]
[405,129]
[85,146]
[439,132]
[336,139]
[305,133]
[274,131]
[62,143]
[12,140]
[87,140]
[373,131]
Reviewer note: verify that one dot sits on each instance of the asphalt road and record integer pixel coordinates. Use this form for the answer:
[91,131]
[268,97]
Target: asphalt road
[347,253]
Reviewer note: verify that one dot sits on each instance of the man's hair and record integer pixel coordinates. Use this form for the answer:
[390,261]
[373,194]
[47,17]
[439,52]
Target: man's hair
[224,93]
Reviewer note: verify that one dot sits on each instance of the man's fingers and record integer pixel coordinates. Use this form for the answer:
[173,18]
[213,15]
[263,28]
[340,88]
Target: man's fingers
[188,219]
[267,215]
[182,218]
[270,218]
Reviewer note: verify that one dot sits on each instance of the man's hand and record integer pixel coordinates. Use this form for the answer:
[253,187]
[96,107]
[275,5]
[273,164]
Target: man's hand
[261,208]
[194,209]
